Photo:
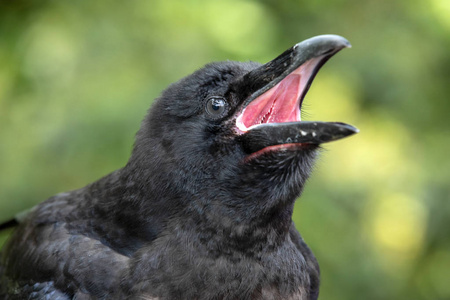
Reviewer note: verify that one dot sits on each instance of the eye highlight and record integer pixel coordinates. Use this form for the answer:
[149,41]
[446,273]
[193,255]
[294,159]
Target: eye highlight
[216,106]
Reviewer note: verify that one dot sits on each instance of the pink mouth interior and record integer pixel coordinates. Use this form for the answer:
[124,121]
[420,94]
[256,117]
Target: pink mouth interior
[282,102]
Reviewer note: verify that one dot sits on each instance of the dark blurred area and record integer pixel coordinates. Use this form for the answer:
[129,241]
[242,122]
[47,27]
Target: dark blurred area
[77,77]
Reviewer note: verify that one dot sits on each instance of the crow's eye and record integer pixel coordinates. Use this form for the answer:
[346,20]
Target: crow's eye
[216,106]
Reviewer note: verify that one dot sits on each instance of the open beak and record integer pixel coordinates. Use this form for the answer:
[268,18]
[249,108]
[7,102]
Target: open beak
[270,114]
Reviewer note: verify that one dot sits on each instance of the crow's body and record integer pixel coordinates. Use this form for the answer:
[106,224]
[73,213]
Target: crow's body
[191,216]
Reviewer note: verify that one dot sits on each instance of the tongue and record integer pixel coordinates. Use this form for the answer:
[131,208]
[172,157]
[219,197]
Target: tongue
[277,105]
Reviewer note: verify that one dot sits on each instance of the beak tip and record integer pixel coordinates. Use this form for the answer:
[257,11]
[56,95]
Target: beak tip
[348,128]
[338,41]
[325,41]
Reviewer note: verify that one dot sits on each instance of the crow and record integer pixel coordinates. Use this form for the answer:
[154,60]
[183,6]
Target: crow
[203,208]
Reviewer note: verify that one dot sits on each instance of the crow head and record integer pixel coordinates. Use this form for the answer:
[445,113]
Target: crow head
[228,138]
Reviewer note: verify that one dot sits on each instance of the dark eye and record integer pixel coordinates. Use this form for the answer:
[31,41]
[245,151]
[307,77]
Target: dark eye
[216,106]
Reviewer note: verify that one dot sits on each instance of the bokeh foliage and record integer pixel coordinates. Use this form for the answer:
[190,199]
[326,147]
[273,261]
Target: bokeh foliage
[76,78]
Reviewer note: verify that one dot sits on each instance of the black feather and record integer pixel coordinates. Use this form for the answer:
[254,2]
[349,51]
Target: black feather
[188,217]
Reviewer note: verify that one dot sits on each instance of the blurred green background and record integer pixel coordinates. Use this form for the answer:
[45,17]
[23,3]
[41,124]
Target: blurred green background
[76,79]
